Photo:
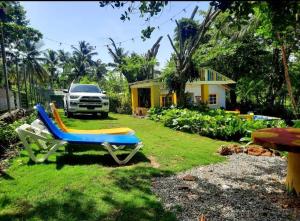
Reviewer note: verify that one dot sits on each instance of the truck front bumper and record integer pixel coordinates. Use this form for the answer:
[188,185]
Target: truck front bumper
[77,107]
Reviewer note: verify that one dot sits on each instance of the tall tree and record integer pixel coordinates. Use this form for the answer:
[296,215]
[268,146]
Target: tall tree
[35,72]
[134,67]
[82,59]
[14,27]
[280,26]
[52,62]
[151,55]
[14,59]
[188,42]
[65,63]
[3,55]
[118,55]
[99,70]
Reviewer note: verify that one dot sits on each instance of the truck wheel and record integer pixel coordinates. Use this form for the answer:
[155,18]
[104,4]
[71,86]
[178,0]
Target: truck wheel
[69,114]
[104,114]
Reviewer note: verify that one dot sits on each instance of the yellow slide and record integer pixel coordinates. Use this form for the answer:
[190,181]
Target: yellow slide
[64,128]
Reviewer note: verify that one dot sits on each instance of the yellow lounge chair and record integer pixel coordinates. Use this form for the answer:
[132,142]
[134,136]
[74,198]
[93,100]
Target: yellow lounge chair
[64,128]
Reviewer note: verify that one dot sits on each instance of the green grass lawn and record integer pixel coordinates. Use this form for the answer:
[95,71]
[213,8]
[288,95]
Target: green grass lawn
[88,185]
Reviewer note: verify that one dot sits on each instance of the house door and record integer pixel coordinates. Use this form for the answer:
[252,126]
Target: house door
[144,97]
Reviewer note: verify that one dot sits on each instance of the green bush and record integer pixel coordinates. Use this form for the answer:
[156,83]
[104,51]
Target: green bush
[212,123]
[296,123]
[119,103]
[8,135]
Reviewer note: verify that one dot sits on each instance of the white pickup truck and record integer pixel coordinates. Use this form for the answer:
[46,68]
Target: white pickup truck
[85,98]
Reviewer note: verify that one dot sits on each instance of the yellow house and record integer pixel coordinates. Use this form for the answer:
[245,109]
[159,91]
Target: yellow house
[210,88]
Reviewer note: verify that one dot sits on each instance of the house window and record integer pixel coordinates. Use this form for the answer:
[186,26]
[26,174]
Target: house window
[212,99]
[167,101]
[198,99]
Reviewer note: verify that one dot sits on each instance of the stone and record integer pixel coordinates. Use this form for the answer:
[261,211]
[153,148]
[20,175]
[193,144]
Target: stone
[189,178]
[230,149]
[224,151]
[267,154]
[192,196]
[183,187]
[225,187]
[256,151]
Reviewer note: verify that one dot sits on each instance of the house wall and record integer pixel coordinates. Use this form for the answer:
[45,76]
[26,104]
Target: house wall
[158,91]
[211,89]
[155,94]
[194,89]
[220,92]
[134,99]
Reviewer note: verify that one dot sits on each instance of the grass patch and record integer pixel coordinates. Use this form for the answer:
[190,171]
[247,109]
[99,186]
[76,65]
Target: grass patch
[88,185]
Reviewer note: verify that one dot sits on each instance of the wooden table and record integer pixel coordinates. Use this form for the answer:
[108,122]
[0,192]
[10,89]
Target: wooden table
[283,139]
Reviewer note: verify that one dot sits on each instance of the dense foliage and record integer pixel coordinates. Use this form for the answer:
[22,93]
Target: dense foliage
[117,89]
[8,135]
[212,123]
[242,50]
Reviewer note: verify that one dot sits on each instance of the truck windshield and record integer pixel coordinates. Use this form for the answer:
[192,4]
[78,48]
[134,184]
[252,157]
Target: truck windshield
[85,88]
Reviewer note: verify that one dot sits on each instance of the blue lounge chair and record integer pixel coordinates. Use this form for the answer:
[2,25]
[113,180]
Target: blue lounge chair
[59,138]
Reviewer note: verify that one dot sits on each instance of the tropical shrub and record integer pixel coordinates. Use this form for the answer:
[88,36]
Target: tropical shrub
[213,123]
[119,103]
[8,135]
[296,123]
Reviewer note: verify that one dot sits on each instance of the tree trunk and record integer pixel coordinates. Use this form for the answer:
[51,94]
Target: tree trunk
[5,69]
[18,83]
[51,80]
[35,92]
[181,101]
[287,77]
[30,88]
[25,84]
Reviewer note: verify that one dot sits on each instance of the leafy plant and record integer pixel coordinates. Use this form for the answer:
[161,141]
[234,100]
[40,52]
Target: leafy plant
[8,135]
[212,123]
[296,123]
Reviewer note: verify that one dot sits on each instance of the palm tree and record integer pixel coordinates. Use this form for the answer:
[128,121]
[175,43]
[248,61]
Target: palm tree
[64,59]
[82,59]
[52,61]
[63,56]
[118,54]
[65,63]
[34,71]
[100,69]
[13,55]
[187,44]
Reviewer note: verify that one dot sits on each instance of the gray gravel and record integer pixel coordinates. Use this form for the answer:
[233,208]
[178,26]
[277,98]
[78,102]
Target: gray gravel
[243,188]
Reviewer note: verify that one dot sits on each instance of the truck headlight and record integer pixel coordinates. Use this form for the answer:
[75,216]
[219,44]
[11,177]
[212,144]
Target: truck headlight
[74,97]
[104,98]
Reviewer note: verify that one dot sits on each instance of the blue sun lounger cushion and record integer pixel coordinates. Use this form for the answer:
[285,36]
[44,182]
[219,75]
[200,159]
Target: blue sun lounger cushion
[84,138]
[41,138]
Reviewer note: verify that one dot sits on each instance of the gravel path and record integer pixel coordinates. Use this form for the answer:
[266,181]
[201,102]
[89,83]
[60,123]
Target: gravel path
[243,188]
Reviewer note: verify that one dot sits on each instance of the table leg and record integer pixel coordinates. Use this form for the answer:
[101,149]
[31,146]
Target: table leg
[293,172]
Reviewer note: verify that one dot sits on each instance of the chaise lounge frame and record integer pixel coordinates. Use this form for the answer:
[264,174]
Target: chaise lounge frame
[44,140]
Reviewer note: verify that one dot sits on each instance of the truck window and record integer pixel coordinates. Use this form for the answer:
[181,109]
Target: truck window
[85,88]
